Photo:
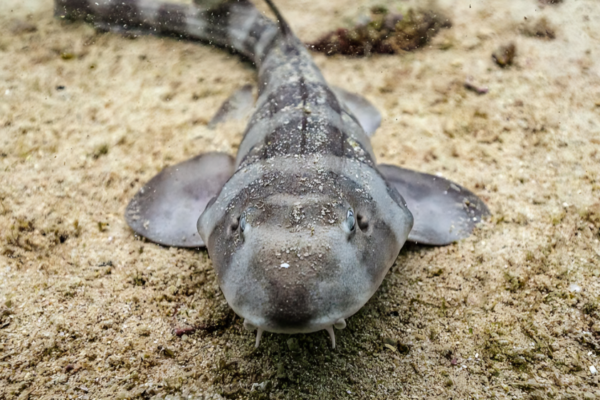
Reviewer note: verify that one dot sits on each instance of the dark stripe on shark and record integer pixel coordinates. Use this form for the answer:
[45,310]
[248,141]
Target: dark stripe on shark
[320,212]
[302,136]
[218,21]
[306,137]
[73,9]
[118,13]
[122,14]
[258,195]
[280,70]
[300,93]
[171,19]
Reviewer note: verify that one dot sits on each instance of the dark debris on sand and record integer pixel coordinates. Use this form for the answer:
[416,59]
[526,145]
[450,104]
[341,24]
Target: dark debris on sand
[505,55]
[384,33]
[540,28]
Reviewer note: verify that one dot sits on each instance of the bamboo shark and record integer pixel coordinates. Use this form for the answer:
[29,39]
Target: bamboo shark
[303,225]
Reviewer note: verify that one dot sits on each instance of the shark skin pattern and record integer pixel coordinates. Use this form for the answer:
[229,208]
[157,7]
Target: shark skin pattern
[302,226]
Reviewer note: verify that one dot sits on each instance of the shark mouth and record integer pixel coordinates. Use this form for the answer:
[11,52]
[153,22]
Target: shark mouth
[339,324]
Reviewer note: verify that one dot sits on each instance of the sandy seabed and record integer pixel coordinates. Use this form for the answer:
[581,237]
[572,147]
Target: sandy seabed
[88,310]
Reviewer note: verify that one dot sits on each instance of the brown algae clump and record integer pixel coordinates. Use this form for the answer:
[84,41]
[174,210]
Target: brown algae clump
[384,33]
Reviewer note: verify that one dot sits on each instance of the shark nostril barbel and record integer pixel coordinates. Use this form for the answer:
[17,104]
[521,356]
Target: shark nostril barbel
[329,330]
[259,333]
[248,326]
[340,324]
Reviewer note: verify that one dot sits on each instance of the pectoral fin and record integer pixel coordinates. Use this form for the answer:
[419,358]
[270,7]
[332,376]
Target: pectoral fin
[238,106]
[444,212]
[365,112]
[167,208]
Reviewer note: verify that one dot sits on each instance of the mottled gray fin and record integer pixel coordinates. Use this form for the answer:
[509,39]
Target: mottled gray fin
[365,112]
[167,208]
[238,106]
[444,212]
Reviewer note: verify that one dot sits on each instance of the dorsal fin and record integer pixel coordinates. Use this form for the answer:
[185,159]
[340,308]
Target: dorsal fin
[283,25]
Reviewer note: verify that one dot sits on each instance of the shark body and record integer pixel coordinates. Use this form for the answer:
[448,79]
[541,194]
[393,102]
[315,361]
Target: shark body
[303,225]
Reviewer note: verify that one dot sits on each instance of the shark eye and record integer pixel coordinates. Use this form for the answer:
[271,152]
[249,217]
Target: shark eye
[243,223]
[350,221]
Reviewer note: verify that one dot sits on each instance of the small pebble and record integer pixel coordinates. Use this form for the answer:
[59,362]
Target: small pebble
[575,288]
[593,370]
[505,55]
[293,344]
[392,348]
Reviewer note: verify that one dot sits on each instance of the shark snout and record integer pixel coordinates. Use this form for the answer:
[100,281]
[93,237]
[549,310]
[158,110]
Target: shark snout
[290,302]
[286,289]
[294,308]
[299,278]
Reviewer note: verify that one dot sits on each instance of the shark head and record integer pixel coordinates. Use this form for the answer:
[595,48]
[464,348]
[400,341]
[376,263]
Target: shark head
[305,258]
